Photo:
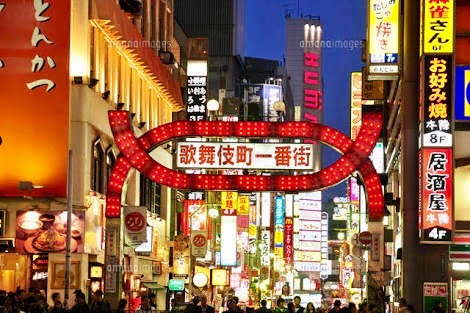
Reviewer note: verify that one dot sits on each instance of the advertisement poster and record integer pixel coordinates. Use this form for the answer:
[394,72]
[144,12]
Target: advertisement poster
[45,231]
[199,243]
[135,222]
[434,292]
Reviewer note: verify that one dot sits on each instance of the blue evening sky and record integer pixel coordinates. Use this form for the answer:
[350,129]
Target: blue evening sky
[342,20]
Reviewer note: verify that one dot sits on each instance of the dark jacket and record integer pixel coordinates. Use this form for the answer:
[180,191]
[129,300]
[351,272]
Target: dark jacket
[300,309]
[209,309]
[101,307]
[263,310]
[80,308]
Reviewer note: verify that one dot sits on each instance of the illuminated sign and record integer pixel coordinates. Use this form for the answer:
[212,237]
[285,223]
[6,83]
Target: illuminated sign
[265,209]
[378,157]
[437,101]
[307,266]
[34,63]
[313,94]
[307,256]
[245,155]
[279,216]
[462,93]
[438,26]
[229,202]
[383,36]
[324,246]
[200,280]
[243,205]
[356,103]
[176,284]
[436,192]
[219,277]
[197,98]
[288,240]
[197,213]
[135,154]
[199,243]
[265,247]
[228,241]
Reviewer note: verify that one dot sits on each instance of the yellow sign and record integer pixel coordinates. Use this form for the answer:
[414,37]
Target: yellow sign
[243,205]
[219,277]
[466,99]
[307,256]
[252,231]
[229,200]
[438,26]
[383,31]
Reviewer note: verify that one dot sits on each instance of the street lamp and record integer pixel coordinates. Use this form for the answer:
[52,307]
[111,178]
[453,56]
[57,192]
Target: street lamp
[212,106]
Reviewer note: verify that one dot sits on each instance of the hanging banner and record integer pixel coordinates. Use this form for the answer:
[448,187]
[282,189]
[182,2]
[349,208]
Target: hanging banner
[437,101]
[438,26]
[199,243]
[436,192]
[288,240]
[383,38]
[135,222]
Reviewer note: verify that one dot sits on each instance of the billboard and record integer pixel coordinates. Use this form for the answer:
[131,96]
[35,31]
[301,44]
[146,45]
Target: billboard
[34,119]
[197,98]
[462,93]
[244,155]
[438,26]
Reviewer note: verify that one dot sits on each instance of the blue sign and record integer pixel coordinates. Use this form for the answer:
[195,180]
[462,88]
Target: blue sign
[279,211]
[462,93]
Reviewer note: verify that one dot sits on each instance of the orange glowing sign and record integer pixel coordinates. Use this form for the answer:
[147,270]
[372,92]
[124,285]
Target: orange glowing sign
[34,120]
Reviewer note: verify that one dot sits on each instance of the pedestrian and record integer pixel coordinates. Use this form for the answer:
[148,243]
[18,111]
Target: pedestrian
[402,305]
[57,306]
[205,308]
[231,307]
[235,299]
[122,306]
[298,307]
[280,308]
[373,308]
[336,307]
[153,299]
[263,308]
[352,308]
[310,308]
[99,305]
[145,306]
[290,307]
[192,307]
[80,305]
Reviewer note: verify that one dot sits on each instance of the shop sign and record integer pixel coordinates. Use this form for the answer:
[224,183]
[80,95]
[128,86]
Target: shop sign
[212,155]
[307,266]
[313,94]
[372,89]
[437,101]
[228,241]
[434,292]
[200,280]
[229,200]
[356,103]
[243,205]
[176,284]
[34,63]
[135,222]
[436,192]
[438,26]
[307,256]
[462,93]
[96,271]
[181,255]
[41,231]
[288,240]
[324,244]
[199,243]
[197,98]
[375,248]
[265,247]
[219,277]
[110,282]
[383,36]
[197,212]
[265,209]
[252,238]
[271,94]
[147,245]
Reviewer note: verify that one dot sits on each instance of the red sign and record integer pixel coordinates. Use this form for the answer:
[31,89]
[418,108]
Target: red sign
[135,222]
[436,191]
[34,119]
[365,238]
[313,95]
[288,240]
[199,240]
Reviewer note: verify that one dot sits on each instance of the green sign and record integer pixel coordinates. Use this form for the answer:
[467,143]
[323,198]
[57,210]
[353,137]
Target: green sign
[434,293]
[176,285]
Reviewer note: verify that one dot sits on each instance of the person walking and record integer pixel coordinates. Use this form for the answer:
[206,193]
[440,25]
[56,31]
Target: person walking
[121,306]
[57,306]
[280,308]
[263,308]
[298,307]
[145,306]
[336,307]
[205,308]
[310,308]
[99,305]
[80,305]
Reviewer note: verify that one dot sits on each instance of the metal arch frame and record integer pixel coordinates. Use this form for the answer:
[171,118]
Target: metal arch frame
[355,157]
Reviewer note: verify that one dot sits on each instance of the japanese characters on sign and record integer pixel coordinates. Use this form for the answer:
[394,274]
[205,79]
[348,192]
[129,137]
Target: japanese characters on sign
[279,216]
[436,191]
[288,240]
[265,248]
[313,94]
[324,245]
[34,64]
[357,103]
[135,221]
[438,26]
[383,34]
[245,155]
[462,93]
[197,98]
[437,101]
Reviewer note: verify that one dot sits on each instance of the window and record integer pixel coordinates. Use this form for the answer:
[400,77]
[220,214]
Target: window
[97,167]
[110,161]
[150,194]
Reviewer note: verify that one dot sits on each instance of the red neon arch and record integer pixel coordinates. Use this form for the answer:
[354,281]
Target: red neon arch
[134,153]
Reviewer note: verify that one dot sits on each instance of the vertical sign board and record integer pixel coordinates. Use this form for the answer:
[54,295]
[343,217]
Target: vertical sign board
[356,103]
[288,240]
[279,216]
[436,194]
[265,248]
[324,246]
[383,39]
[34,119]
[197,98]
[228,240]
[462,93]
[437,101]
[438,26]
[271,94]
[434,292]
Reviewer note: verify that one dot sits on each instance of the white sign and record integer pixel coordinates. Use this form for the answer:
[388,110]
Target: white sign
[228,241]
[265,248]
[245,155]
[307,266]
[199,243]
[265,209]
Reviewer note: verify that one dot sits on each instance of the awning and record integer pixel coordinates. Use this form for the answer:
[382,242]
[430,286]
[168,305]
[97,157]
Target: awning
[459,253]
[152,285]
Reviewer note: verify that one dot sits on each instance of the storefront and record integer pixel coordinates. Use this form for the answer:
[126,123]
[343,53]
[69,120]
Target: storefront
[460,277]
